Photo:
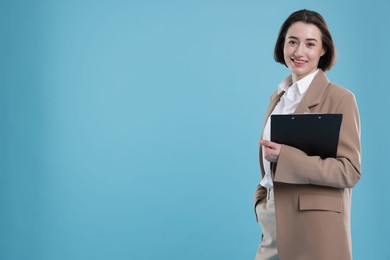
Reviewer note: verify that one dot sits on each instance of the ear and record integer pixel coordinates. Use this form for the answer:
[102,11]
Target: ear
[323,52]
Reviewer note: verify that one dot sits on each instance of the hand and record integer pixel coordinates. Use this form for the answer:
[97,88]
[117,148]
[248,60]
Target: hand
[272,150]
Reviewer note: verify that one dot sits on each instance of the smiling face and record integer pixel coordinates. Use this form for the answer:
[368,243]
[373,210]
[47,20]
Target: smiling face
[302,49]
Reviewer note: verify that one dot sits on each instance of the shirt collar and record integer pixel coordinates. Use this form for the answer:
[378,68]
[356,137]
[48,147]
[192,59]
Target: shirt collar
[303,84]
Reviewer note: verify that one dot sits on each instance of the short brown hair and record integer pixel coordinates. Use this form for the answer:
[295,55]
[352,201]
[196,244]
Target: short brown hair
[311,17]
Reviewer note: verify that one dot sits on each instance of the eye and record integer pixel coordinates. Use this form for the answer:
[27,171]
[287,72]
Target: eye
[310,44]
[292,42]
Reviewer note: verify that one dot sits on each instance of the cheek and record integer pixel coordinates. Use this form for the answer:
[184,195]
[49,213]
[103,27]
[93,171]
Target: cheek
[286,58]
[316,55]
[286,51]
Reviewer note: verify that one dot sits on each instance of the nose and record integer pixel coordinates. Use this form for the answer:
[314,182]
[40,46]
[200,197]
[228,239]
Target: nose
[299,50]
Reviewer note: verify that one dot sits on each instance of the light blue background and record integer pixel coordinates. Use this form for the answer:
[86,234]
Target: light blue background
[129,129]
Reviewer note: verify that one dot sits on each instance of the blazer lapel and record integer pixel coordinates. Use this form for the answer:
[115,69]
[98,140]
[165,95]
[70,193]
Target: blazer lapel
[314,93]
[273,102]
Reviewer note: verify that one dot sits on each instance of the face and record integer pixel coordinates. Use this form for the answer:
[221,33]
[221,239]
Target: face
[302,49]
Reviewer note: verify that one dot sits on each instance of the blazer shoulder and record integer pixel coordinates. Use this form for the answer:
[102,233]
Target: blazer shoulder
[274,94]
[339,98]
[337,92]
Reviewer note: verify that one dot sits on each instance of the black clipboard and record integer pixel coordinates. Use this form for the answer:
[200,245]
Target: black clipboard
[315,134]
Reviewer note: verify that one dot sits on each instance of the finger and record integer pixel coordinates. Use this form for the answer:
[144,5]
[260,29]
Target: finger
[268,152]
[270,144]
[265,142]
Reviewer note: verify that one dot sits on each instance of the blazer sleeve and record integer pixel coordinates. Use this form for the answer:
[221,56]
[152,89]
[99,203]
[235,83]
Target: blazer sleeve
[296,167]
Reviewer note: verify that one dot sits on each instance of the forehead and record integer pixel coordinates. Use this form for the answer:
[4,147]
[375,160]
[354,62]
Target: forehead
[304,31]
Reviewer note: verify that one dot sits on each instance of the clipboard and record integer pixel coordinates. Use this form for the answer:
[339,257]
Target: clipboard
[314,134]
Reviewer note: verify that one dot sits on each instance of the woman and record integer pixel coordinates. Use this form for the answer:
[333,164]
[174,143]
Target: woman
[303,202]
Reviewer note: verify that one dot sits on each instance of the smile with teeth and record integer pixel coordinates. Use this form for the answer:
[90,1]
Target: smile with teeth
[298,62]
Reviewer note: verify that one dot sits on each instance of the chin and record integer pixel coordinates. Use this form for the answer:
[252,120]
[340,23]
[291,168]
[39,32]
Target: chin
[299,72]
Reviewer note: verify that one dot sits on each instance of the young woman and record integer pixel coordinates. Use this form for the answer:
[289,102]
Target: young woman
[303,202]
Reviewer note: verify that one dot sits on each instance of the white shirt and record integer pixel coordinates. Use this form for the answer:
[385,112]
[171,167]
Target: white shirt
[289,101]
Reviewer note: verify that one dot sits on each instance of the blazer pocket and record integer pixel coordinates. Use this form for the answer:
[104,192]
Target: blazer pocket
[320,202]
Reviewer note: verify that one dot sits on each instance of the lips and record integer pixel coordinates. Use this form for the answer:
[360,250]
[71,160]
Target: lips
[298,62]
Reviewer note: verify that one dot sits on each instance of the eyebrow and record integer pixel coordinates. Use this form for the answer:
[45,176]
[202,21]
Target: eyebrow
[296,38]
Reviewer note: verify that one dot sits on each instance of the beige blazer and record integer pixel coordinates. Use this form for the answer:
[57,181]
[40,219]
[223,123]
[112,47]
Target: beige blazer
[313,195]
